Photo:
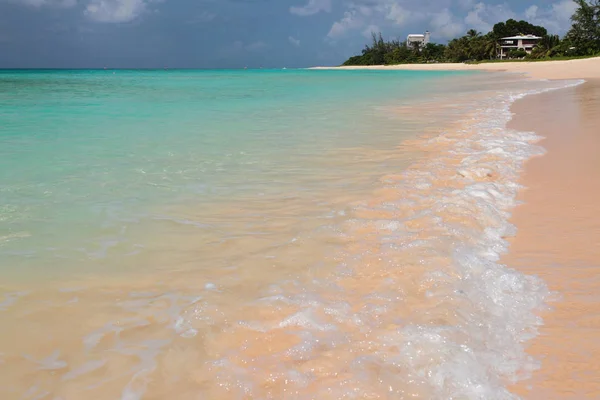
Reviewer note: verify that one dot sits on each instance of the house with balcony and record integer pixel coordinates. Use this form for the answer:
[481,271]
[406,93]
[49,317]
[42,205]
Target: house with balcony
[510,43]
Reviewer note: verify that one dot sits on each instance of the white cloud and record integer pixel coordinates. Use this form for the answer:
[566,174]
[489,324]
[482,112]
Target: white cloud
[445,25]
[98,10]
[368,32]
[561,13]
[101,10]
[446,19]
[311,8]
[294,41]
[475,20]
[531,12]
[397,13]
[564,9]
[466,4]
[389,15]
[556,17]
[115,10]
[350,21]
[364,10]
[46,3]
[483,16]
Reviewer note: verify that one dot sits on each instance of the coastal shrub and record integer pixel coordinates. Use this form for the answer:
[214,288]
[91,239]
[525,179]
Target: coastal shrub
[564,49]
[395,52]
[433,52]
[520,53]
[538,52]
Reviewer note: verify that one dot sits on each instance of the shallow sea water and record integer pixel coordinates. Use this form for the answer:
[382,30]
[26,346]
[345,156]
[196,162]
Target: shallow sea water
[261,234]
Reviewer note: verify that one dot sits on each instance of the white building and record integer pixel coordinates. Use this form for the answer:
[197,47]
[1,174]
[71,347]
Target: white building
[420,39]
[525,42]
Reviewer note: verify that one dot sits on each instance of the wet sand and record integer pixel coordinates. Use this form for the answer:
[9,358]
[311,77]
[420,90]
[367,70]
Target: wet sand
[566,69]
[558,224]
[558,238]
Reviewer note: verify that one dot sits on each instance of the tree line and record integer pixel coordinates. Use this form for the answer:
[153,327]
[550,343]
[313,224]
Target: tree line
[582,39]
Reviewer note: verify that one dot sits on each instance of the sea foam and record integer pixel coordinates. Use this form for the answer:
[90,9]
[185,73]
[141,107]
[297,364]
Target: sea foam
[423,308]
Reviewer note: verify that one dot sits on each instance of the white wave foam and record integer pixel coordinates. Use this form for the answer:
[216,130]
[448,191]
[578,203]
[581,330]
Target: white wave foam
[479,349]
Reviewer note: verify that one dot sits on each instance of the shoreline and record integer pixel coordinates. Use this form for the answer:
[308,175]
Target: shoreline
[559,69]
[558,234]
[558,226]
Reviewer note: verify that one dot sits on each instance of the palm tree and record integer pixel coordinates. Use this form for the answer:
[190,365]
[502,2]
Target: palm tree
[472,33]
[490,47]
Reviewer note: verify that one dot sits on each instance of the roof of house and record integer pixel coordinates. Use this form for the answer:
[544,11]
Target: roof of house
[416,35]
[520,37]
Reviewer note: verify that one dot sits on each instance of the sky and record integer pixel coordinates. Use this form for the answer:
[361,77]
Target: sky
[237,33]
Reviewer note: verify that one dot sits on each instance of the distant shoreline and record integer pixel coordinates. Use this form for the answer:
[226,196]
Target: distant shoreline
[560,69]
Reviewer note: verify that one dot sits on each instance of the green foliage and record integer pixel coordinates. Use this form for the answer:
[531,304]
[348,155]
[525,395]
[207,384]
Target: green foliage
[433,52]
[550,44]
[515,28]
[549,41]
[458,49]
[381,52]
[583,39]
[472,33]
[356,60]
[519,53]
[483,47]
[472,47]
[584,34]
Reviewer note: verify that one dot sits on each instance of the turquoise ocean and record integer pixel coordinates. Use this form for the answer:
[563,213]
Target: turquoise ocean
[85,153]
[261,234]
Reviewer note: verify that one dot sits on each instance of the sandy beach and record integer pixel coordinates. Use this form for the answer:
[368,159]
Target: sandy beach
[558,238]
[558,222]
[568,69]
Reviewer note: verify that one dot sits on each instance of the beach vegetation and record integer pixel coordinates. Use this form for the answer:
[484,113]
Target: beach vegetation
[519,53]
[432,52]
[512,27]
[381,52]
[584,35]
[548,46]
[582,39]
